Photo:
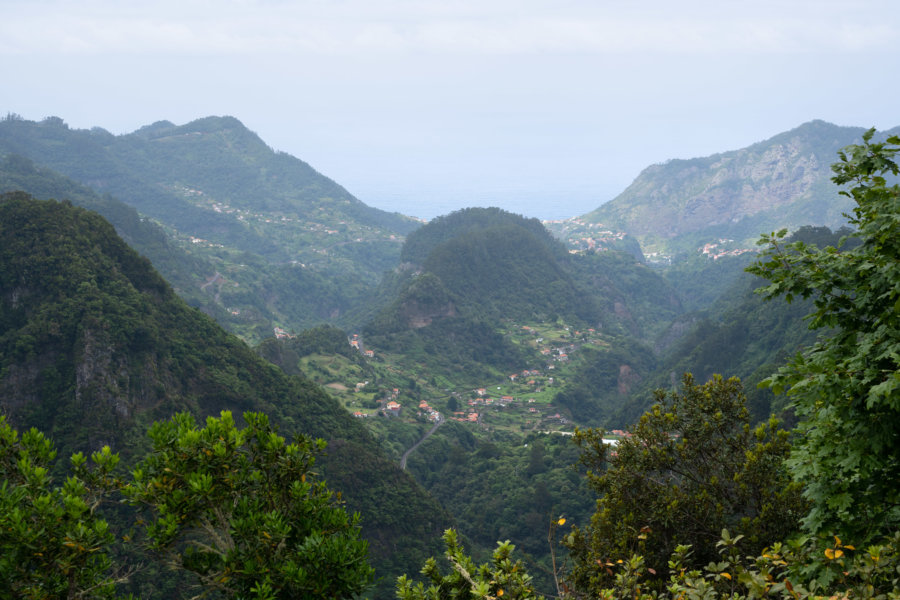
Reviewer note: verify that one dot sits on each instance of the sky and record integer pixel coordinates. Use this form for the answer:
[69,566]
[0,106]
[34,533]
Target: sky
[547,108]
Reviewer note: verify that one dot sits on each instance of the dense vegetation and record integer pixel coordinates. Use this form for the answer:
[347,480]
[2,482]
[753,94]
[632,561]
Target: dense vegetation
[494,264]
[469,270]
[239,509]
[257,238]
[691,467]
[846,387]
[695,500]
[94,346]
[422,242]
[692,489]
[635,300]
[505,489]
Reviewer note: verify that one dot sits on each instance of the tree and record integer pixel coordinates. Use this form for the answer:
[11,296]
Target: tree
[691,467]
[502,578]
[53,544]
[240,509]
[846,387]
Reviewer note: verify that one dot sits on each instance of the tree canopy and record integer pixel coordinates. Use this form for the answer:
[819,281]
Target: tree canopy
[241,510]
[846,387]
[52,542]
[691,467]
[501,578]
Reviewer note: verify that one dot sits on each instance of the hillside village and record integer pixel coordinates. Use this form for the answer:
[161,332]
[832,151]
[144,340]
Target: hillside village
[520,401]
[718,249]
[583,237]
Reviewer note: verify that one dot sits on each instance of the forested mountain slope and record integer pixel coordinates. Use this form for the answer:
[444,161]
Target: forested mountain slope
[498,264]
[163,167]
[780,182]
[180,268]
[741,334]
[466,273]
[95,345]
[281,245]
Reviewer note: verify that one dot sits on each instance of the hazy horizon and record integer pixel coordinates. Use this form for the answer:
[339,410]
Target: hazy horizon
[547,109]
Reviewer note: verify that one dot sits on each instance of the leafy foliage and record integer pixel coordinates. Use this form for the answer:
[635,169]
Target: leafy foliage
[52,542]
[846,387]
[241,510]
[94,346]
[505,489]
[778,572]
[501,578]
[691,467]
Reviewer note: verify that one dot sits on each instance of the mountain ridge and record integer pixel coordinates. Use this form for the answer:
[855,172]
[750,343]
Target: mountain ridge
[95,345]
[270,230]
[783,181]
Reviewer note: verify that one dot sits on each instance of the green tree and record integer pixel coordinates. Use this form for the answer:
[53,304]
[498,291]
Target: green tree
[240,509]
[501,578]
[691,468]
[53,544]
[846,387]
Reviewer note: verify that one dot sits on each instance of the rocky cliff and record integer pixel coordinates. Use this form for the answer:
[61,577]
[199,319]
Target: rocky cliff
[780,182]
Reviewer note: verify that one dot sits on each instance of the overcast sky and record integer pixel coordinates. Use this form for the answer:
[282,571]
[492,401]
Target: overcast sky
[544,107]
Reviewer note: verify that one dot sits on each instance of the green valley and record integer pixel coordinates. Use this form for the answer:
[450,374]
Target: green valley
[268,241]
[486,372]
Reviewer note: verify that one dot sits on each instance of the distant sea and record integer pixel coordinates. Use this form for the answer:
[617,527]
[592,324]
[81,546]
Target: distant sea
[546,206]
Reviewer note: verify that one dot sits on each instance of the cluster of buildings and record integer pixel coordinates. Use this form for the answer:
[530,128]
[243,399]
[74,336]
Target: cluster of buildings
[463,417]
[714,251]
[429,412]
[281,334]
[596,243]
[389,406]
[356,344]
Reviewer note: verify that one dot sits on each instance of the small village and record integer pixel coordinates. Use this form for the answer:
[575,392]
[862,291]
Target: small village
[716,250]
[583,237]
[520,401]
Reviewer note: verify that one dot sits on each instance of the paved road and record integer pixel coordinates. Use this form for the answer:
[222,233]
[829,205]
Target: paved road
[215,278]
[406,454]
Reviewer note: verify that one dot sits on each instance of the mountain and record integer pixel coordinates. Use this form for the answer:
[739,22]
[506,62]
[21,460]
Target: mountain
[498,264]
[780,182]
[179,267]
[190,168]
[739,334]
[470,277]
[95,345]
[279,244]
[462,275]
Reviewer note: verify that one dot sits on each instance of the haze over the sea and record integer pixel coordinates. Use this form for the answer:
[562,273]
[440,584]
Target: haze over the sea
[543,108]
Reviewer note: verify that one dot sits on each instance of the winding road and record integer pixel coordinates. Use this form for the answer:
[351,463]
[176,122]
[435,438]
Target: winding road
[438,423]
